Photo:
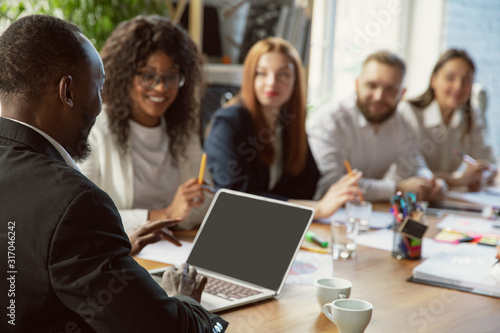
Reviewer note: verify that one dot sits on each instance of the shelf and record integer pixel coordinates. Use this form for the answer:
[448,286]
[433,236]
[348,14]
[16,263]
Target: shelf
[224,74]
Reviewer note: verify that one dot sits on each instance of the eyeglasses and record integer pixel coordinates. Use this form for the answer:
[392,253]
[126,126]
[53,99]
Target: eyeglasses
[149,80]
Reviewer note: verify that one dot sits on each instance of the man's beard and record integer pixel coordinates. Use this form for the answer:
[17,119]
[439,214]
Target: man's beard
[375,119]
[80,150]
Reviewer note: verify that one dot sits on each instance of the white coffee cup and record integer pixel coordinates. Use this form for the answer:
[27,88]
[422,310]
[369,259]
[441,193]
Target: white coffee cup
[349,315]
[330,289]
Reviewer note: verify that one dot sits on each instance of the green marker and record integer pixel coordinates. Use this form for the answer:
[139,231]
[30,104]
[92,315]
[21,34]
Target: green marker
[312,237]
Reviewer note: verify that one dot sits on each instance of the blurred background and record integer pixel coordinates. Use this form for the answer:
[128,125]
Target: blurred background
[332,36]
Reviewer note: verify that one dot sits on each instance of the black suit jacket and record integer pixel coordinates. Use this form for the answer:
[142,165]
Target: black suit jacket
[69,255]
[232,149]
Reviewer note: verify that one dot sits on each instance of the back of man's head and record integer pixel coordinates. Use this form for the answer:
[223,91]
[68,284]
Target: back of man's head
[35,52]
[387,58]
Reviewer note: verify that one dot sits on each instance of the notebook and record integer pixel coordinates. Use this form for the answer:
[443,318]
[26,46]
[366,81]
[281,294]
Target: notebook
[466,267]
[249,241]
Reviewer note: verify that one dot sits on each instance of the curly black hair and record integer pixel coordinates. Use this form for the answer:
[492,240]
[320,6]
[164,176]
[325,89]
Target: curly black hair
[128,49]
[35,52]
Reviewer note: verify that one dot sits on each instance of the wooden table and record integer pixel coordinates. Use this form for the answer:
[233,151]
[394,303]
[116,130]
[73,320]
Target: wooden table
[399,306]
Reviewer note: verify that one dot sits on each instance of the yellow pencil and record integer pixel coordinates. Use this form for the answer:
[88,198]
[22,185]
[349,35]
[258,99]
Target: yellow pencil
[312,249]
[348,167]
[202,168]
[349,171]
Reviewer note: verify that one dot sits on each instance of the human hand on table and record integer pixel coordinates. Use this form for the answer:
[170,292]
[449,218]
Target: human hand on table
[473,176]
[433,189]
[151,232]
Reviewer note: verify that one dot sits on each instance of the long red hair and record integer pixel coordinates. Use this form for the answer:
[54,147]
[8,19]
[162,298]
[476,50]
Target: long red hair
[293,112]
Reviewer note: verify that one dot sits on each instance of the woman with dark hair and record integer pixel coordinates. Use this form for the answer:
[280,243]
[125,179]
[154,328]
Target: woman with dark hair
[446,125]
[259,145]
[146,147]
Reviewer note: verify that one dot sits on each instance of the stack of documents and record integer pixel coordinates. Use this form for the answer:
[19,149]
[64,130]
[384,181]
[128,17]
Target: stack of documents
[465,267]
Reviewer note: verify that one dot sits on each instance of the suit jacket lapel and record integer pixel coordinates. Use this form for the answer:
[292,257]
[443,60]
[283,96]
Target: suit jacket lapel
[19,133]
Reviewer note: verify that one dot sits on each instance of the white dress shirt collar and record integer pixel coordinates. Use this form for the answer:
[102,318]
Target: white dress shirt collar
[362,122]
[65,155]
[433,116]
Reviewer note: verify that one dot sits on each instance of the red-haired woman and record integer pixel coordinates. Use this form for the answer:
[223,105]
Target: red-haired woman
[258,144]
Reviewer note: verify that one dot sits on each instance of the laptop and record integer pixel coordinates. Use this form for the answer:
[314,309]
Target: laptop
[245,247]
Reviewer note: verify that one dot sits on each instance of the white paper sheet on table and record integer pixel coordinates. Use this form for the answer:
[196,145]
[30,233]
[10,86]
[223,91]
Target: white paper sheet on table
[309,266]
[488,197]
[167,252]
[493,190]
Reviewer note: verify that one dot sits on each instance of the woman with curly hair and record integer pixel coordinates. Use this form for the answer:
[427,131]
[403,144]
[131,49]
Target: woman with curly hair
[146,147]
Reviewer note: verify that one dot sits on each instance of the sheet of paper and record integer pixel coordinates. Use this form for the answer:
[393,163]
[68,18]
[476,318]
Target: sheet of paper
[485,197]
[430,247]
[494,190]
[167,252]
[469,224]
[379,220]
[309,266]
[379,239]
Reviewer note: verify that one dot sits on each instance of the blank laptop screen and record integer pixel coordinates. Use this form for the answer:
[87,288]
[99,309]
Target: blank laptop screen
[250,239]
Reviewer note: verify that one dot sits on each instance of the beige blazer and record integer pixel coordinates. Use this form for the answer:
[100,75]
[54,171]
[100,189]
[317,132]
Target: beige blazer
[112,172]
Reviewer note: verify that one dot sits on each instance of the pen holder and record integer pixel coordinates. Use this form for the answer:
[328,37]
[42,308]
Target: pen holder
[404,247]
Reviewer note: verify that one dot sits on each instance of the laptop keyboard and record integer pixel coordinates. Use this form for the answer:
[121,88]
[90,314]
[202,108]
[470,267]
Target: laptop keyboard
[224,289]
[228,290]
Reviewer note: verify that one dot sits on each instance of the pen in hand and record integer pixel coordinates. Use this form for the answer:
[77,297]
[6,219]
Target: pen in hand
[349,171]
[205,184]
[202,168]
[496,263]
[498,256]
[487,172]
[466,158]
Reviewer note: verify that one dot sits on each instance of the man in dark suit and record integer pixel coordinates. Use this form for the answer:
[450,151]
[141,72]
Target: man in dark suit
[65,263]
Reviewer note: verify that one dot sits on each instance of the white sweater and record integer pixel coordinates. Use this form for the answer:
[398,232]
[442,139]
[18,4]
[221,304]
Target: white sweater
[113,173]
